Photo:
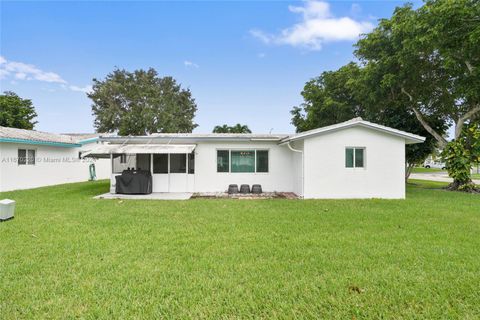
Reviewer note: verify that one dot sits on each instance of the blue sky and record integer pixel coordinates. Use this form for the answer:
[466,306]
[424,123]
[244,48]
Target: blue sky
[244,62]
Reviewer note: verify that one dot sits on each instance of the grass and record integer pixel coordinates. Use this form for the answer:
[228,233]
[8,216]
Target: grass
[66,255]
[426,170]
[476,176]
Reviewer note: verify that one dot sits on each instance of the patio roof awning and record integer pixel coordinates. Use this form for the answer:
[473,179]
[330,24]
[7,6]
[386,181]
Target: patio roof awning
[104,151]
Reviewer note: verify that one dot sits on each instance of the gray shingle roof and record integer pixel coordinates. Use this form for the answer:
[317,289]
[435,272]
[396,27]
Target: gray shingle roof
[32,135]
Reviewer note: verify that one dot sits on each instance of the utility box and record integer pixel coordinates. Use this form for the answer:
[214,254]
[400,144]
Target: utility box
[7,209]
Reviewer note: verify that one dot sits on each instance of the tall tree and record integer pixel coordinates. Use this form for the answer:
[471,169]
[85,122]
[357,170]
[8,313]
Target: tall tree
[238,128]
[141,102]
[16,112]
[428,58]
[328,99]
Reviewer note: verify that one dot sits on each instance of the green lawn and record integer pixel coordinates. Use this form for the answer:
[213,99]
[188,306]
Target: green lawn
[476,176]
[425,170]
[66,255]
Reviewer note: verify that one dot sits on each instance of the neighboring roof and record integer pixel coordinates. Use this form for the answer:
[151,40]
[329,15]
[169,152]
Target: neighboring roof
[84,138]
[410,138]
[36,137]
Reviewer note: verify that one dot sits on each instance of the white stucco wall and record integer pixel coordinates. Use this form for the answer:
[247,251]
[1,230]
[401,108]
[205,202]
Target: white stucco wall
[279,178]
[327,177]
[297,167]
[1,167]
[54,165]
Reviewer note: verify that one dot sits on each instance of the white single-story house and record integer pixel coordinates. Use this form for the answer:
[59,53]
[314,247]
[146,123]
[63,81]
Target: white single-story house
[353,159]
[30,159]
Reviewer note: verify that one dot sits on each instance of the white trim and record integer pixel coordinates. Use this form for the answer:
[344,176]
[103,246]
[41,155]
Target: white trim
[242,149]
[106,149]
[409,137]
[27,162]
[364,167]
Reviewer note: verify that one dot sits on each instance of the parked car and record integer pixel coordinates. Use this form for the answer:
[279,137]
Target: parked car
[434,164]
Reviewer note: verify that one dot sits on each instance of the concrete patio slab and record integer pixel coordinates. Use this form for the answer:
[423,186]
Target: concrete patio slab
[152,196]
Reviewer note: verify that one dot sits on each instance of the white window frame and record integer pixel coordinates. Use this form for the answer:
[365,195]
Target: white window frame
[241,149]
[364,157]
[27,158]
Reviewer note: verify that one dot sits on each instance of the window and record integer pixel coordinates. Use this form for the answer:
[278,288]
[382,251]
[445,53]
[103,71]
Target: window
[26,157]
[178,163]
[143,162]
[355,157]
[191,163]
[31,157]
[123,162]
[22,156]
[262,160]
[223,160]
[160,163]
[242,161]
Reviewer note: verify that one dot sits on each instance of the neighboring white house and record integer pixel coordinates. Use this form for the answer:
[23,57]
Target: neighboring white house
[30,159]
[353,159]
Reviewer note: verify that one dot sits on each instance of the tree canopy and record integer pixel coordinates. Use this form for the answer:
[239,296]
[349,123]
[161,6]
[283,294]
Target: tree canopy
[16,112]
[238,128]
[140,103]
[429,58]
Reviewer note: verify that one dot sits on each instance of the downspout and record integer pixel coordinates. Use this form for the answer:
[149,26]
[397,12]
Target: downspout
[303,165]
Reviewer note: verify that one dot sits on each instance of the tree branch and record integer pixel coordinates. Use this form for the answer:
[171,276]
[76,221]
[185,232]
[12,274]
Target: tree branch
[469,66]
[408,170]
[461,121]
[441,140]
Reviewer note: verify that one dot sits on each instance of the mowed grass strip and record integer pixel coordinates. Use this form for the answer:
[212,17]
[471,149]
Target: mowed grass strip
[426,170]
[66,255]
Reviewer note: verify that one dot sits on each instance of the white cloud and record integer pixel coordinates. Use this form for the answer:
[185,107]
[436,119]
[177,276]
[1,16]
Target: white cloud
[3,73]
[261,55]
[262,36]
[21,76]
[318,26]
[190,64]
[85,89]
[24,71]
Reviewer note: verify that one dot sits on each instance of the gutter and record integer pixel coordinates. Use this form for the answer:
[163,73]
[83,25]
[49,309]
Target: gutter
[111,139]
[43,143]
[86,141]
[303,166]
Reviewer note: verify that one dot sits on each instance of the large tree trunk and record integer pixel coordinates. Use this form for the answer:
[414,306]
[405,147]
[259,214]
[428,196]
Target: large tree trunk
[408,170]
[466,186]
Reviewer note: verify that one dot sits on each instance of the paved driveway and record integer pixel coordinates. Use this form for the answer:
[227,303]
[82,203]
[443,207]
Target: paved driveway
[435,176]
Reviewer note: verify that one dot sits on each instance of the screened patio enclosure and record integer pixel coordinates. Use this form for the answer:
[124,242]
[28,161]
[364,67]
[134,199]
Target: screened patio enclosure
[172,166]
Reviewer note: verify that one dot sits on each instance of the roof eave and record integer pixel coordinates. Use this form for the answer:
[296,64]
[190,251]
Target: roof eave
[38,142]
[153,138]
[410,138]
